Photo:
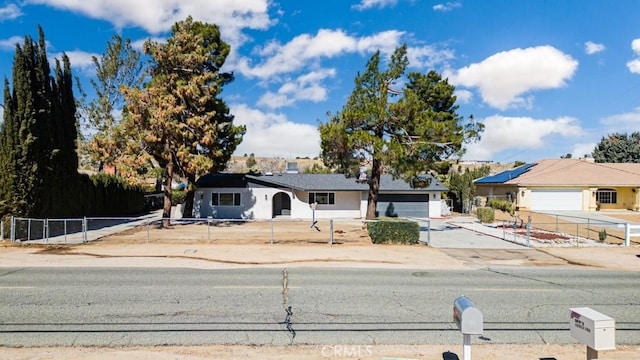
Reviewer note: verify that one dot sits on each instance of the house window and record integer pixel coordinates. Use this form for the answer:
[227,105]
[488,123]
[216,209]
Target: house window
[607,196]
[322,198]
[225,199]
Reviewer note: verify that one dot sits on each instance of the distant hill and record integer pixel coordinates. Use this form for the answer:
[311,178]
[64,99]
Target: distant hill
[238,164]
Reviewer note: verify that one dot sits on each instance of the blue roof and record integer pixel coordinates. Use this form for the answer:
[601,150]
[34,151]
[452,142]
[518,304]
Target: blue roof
[504,176]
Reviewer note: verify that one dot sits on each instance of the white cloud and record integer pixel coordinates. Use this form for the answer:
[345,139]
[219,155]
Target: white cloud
[503,78]
[629,121]
[635,46]
[448,6]
[503,133]
[78,59]
[296,54]
[306,87]
[368,4]
[9,12]
[273,135]
[10,43]
[592,48]
[156,17]
[634,65]
[582,149]
[428,56]
[463,96]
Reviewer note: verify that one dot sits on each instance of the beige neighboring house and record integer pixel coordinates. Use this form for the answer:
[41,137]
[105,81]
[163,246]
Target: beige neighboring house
[566,184]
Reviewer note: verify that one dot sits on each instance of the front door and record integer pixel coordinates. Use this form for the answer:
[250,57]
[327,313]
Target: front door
[281,205]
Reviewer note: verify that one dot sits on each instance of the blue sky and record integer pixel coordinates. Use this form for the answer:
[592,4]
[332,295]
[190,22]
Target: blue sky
[546,77]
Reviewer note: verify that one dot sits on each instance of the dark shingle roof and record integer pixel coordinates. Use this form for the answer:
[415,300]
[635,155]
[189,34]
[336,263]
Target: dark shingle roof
[314,182]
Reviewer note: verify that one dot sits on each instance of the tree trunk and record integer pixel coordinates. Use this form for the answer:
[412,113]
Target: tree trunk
[188,201]
[374,189]
[166,213]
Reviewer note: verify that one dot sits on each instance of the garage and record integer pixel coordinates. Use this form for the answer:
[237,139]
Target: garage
[560,199]
[403,205]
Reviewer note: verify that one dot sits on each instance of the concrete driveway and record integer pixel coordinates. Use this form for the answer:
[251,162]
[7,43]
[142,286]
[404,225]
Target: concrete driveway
[446,234]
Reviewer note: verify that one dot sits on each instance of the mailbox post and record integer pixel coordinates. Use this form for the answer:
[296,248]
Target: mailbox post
[469,320]
[593,329]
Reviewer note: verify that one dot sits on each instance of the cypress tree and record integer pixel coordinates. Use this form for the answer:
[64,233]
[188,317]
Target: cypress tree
[37,139]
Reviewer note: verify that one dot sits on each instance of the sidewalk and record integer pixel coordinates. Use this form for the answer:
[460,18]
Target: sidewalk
[222,256]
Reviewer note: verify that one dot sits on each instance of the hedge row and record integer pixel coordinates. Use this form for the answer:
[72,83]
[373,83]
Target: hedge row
[394,232]
[108,195]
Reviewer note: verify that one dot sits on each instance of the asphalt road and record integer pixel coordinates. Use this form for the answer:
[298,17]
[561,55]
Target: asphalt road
[171,306]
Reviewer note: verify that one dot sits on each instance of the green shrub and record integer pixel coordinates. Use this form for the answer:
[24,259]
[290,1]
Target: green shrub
[602,235]
[501,204]
[486,214]
[178,196]
[394,232]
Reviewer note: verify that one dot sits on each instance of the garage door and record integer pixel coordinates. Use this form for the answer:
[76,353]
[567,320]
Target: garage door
[544,200]
[404,205]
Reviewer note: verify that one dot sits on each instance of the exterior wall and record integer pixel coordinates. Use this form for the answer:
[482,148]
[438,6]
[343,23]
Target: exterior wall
[257,203]
[497,191]
[627,199]
[252,203]
[435,205]
[346,206]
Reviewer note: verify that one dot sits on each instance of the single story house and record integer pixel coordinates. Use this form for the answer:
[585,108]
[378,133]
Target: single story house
[566,184]
[265,196]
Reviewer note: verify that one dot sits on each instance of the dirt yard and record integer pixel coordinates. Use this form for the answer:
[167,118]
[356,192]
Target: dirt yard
[348,232]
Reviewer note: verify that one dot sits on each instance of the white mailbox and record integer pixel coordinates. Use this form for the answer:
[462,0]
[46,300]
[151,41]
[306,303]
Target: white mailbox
[596,330]
[467,316]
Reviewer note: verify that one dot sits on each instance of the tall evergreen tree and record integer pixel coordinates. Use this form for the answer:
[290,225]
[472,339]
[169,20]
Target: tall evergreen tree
[184,123]
[404,137]
[38,136]
[618,148]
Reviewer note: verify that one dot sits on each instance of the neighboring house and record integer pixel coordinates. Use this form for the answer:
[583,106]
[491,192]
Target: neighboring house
[566,184]
[245,196]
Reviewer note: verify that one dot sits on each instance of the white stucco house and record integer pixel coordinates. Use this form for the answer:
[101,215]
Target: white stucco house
[261,197]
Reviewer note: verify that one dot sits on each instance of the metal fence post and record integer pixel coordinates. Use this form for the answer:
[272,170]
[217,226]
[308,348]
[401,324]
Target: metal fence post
[528,234]
[45,230]
[627,234]
[13,229]
[29,229]
[65,231]
[84,229]
[577,234]
[2,229]
[428,232]
[331,232]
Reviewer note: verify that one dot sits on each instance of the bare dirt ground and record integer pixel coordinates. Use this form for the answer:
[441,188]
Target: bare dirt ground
[348,234]
[320,352]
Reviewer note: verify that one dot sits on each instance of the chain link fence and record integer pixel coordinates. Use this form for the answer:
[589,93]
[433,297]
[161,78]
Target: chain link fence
[151,229]
[567,231]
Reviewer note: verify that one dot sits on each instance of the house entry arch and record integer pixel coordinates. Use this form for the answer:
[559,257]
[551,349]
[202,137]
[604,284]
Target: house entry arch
[281,204]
